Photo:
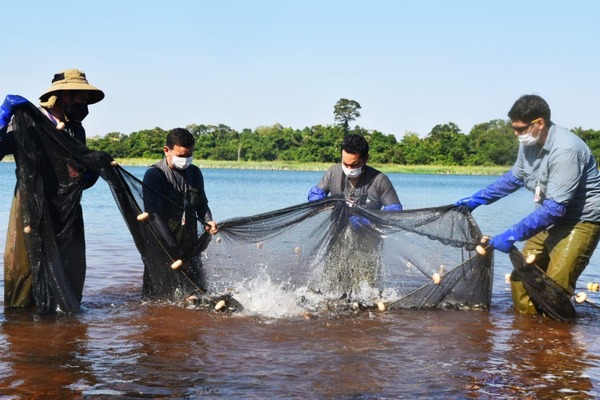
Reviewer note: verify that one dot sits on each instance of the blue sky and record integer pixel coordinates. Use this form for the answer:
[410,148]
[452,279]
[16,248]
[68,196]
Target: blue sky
[410,64]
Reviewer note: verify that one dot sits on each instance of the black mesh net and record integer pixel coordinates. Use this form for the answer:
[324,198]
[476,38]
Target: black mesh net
[548,296]
[417,259]
[413,259]
[53,169]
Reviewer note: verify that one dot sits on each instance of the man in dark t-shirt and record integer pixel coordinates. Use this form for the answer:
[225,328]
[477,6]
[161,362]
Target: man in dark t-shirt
[359,183]
[175,184]
[353,255]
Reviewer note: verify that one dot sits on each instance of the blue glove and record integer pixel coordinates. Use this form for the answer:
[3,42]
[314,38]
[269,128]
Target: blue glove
[505,185]
[7,108]
[359,222]
[316,193]
[544,216]
[393,207]
[503,242]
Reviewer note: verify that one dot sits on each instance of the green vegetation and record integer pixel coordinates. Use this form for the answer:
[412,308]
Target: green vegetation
[346,111]
[297,166]
[489,146]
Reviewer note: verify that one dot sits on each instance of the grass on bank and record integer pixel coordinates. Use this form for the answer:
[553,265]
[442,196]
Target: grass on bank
[298,166]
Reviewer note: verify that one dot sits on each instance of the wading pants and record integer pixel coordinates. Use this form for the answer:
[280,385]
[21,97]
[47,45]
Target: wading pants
[17,270]
[563,252]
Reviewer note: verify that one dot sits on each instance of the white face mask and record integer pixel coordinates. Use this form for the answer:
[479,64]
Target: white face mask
[352,172]
[527,139]
[181,162]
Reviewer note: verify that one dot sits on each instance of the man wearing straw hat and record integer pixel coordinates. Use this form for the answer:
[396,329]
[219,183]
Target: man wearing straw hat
[65,103]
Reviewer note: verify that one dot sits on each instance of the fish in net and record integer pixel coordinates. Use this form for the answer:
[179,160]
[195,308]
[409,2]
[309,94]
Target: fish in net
[422,258]
[417,259]
[414,259]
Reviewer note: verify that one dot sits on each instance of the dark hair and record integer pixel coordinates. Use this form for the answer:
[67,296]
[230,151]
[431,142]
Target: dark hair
[528,108]
[180,137]
[356,144]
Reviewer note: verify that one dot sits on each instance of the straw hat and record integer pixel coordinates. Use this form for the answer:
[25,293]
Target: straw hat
[72,79]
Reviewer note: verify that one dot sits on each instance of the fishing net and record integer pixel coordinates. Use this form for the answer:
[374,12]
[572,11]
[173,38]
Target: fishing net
[330,248]
[53,169]
[548,296]
[415,259]
[419,258]
[410,259]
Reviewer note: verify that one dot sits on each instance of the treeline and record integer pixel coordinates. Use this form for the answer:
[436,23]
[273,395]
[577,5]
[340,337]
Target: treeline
[487,144]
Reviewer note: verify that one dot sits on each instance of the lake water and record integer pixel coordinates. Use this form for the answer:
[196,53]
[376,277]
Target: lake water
[122,347]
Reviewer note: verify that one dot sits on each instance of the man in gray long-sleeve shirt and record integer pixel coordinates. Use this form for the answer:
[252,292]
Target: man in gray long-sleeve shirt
[560,169]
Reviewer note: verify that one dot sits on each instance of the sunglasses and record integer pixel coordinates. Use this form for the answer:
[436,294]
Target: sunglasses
[521,129]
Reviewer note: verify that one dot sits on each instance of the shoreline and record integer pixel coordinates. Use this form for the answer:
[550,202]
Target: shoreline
[321,167]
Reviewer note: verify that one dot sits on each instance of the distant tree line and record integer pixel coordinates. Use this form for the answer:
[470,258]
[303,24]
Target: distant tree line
[487,144]
[490,143]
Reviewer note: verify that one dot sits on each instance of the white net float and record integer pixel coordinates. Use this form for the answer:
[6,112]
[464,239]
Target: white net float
[481,250]
[176,264]
[143,216]
[581,297]
[220,305]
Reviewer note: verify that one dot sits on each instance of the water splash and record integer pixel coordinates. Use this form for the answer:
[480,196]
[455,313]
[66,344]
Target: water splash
[263,297]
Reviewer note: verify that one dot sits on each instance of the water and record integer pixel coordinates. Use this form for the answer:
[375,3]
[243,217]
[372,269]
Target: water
[120,346]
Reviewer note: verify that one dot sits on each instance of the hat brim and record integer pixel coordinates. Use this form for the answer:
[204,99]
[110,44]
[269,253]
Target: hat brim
[95,94]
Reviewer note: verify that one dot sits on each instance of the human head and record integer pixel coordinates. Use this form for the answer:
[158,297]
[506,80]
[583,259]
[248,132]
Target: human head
[70,94]
[179,148]
[530,119]
[355,153]
[356,144]
[528,108]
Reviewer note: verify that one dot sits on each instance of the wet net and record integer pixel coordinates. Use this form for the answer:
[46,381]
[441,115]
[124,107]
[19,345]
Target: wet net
[410,259]
[549,297]
[53,169]
[329,249]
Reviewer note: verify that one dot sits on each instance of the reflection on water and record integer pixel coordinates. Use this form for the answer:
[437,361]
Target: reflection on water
[137,350]
[122,347]
[42,356]
[546,366]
